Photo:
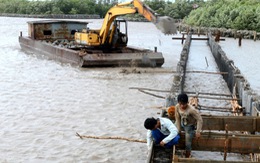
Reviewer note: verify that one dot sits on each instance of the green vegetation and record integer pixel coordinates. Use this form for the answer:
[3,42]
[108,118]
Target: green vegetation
[38,7]
[235,14]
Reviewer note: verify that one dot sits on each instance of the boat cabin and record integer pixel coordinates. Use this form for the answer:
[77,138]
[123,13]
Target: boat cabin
[54,29]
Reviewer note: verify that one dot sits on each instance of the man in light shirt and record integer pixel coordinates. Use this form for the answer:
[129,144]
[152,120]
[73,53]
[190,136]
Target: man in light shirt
[162,130]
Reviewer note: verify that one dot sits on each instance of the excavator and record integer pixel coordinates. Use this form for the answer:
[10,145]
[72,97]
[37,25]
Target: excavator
[113,33]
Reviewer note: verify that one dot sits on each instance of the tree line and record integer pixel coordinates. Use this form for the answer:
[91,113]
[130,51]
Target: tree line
[40,7]
[178,9]
[235,14]
[230,14]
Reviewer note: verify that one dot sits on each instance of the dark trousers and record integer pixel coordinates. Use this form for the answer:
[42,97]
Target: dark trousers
[158,137]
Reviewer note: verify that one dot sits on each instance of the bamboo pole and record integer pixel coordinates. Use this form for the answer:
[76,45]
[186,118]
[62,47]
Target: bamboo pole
[211,94]
[129,70]
[183,38]
[215,107]
[202,93]
[151,94]
[208,72]
[148,89]
[159,107]
[110,137]
[216,110]
[216,98]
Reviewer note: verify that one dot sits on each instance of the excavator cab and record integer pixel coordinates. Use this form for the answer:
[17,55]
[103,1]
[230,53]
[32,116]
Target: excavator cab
[119,34]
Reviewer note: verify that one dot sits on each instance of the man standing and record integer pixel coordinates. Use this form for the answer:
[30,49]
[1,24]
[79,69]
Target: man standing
[162,130]
[189,119]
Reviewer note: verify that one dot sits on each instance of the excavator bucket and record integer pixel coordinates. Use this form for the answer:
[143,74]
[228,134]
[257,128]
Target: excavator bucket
[166,24]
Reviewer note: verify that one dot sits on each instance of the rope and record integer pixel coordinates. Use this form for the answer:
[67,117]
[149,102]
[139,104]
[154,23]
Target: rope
[110,137]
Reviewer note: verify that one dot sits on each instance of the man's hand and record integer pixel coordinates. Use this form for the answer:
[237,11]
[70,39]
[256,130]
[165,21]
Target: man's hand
[162,143]
[197,135]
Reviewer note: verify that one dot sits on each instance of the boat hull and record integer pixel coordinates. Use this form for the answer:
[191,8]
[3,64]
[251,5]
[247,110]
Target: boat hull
[133,57]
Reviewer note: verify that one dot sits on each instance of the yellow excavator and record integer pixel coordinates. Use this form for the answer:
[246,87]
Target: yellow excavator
[113,33]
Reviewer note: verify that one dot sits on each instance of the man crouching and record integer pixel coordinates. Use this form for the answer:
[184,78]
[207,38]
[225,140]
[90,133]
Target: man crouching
[162,130]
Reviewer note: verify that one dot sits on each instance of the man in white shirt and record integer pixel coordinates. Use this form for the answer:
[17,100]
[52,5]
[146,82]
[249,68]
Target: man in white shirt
[162,130]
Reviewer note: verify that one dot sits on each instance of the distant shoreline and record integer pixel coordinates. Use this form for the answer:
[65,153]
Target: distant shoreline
[53,16]
[68,16]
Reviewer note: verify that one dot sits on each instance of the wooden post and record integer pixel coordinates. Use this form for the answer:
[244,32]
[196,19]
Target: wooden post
[199,32]
[240,40]
[217,38]
[174,157]
[235,34]
[207,61]
[254,35]
[226,143]
[188,30]
[180,28]
[182,39]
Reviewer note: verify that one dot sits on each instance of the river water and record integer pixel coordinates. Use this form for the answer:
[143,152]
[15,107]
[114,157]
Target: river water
[44,103]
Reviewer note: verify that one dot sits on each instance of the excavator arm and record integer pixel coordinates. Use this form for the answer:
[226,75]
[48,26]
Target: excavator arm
[105,35]
[111,15]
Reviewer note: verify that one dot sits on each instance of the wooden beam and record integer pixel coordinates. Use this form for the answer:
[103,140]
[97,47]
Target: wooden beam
[193,160]
[212,94]
[179,38]
[216,142]
[208,72]
[235,123]
[215,98]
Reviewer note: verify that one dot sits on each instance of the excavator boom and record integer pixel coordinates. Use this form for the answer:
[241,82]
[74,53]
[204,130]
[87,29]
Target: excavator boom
[109,34]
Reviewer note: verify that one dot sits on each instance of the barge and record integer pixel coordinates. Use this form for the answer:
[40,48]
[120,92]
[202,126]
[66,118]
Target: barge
[54,39]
